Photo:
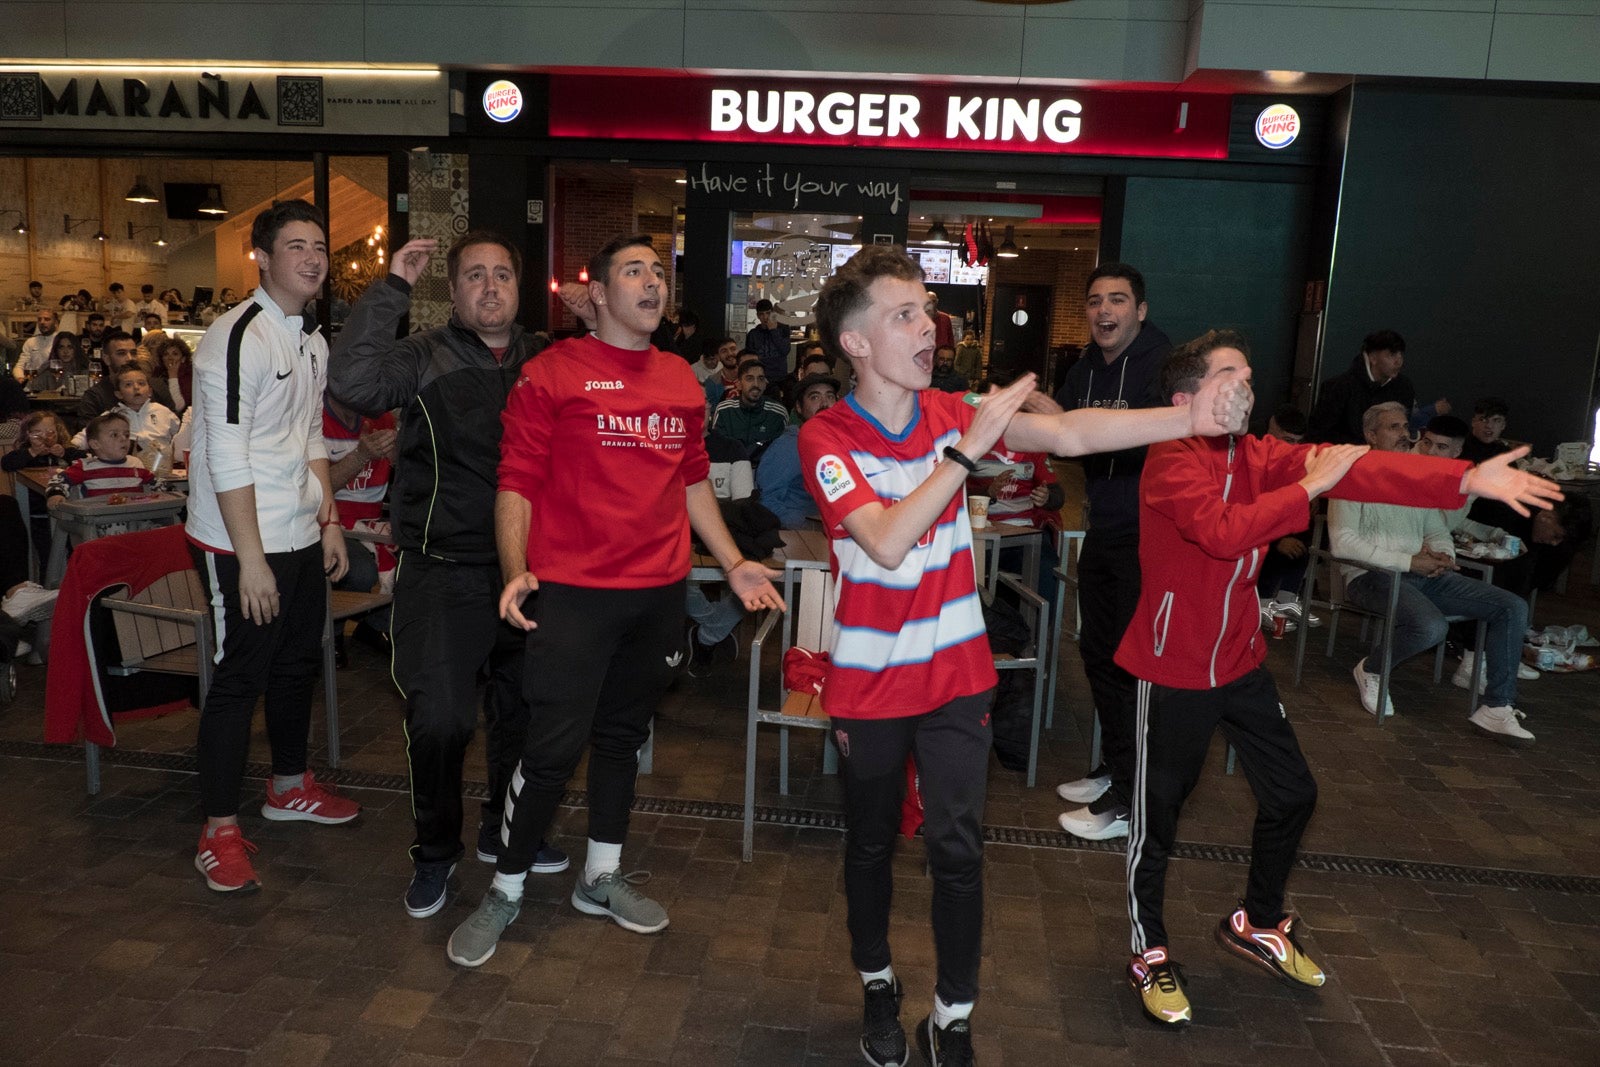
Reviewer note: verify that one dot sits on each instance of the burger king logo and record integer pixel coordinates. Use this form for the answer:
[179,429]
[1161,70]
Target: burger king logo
[1277,126]
[502,101]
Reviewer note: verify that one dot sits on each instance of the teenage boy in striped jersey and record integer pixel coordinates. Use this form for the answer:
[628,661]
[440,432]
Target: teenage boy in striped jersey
[1208,510]
[911,671]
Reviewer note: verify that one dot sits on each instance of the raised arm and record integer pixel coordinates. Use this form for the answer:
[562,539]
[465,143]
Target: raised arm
[371,369]
[1220,407]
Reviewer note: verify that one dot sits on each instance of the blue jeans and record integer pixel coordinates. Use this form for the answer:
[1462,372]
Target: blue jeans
[1419,622]
[718,618]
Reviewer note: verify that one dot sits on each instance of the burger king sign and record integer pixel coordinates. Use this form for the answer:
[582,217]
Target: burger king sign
[502,100]
[1277,126]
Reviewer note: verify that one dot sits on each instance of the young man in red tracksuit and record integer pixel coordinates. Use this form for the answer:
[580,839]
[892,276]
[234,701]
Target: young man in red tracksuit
[604,432]
[1208,510]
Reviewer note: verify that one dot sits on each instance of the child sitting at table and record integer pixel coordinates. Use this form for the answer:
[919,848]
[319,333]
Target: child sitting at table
[41,442]
[109,469]
[151,424]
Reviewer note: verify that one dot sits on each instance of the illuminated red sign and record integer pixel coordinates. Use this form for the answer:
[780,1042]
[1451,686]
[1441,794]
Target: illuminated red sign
[1094,122]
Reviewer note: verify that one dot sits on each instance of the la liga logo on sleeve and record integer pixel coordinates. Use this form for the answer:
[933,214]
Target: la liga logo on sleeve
[834,477]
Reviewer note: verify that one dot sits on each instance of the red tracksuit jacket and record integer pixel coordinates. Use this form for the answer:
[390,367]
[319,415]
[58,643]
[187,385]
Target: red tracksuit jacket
[1208,509]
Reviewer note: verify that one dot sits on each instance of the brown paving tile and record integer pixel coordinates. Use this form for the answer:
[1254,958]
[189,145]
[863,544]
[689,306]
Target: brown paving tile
[402,1008]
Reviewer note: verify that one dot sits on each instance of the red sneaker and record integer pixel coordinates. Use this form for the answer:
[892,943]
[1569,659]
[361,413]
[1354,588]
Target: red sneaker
[224,859]
[311,802]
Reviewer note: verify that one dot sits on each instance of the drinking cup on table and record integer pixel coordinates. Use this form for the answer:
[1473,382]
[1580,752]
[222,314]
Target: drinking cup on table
[978,510]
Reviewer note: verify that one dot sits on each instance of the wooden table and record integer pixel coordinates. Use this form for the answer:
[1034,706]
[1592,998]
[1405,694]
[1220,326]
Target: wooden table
[801,550]
[989,540]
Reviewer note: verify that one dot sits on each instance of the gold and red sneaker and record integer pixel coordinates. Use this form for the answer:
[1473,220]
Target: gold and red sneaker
[1274,948]
[1159,983]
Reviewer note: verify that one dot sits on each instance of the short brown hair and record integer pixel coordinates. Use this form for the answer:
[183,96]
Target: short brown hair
[600,262]
[452,259]
[1189,362]
[845,293]
[133,366]
[98,423]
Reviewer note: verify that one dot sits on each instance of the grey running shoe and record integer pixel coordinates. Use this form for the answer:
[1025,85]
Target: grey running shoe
[474,941]
[613,894]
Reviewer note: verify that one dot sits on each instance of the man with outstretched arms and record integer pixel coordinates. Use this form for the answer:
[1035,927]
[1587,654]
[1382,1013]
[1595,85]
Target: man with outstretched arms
[603,433]
[911,671]
[263,529]
[1208,510]
[451,383]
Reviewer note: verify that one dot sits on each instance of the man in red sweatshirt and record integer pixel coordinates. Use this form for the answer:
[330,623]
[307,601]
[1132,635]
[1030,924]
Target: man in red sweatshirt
[604,432]
[1208,509]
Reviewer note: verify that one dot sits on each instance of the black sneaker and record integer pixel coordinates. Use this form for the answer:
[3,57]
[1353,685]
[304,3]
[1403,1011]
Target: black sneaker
[425,896]
[949,1047]
[883,1039]
[702,657]
[547,860]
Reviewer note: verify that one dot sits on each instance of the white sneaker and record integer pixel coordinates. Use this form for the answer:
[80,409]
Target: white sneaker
[1462,679]
[1085,790]
[1368,685]
[1526,673]
[1501,724]
[1081,822]
[1294,612]
[30,602]
[24,650]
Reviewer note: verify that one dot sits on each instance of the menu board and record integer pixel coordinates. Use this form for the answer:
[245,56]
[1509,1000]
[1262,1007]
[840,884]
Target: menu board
[935,263]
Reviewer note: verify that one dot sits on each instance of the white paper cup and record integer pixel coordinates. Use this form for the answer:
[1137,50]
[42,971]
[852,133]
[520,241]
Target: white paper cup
[978,509]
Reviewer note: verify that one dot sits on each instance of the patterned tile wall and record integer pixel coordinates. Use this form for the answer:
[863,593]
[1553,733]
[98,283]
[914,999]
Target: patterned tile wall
[438,210]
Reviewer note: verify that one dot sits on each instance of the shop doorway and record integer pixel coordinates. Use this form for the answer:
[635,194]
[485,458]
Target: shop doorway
[1021,335]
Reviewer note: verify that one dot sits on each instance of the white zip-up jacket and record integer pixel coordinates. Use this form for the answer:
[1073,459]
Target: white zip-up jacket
[152,426]
[258,382]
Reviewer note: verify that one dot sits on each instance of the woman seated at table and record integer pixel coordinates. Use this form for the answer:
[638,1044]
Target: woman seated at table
[42,441]
[177,307]
[66,359]
[175,363]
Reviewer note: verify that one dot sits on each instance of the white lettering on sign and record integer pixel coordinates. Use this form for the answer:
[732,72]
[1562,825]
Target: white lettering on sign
[1008,119]
[838,114]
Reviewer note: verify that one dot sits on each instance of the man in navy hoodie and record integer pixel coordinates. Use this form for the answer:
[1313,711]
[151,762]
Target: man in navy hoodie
[1121,368]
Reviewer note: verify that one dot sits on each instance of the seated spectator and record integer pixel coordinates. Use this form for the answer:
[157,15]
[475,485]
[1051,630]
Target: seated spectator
[151,424]
[42,441]
[1489,417]
[107,469]
[711,638]
[94,332]
[361,455]
[780,479]
[945,378]
[21,599]
[811,366]
[1417,542]
[151,336]
[686,338]
[175,364]
[749,418]
[1283,570]
[710,361]
[117,352]
[177,309]
[66,359]
[725,384]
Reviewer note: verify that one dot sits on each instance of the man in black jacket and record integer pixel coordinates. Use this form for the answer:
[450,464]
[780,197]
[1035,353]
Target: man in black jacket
[1121,368]
[451,382]
[1374,377]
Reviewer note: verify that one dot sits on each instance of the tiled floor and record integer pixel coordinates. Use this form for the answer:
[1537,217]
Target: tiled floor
[112,950]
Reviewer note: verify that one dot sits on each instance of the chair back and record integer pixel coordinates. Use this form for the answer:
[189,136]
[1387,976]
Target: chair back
[141,638]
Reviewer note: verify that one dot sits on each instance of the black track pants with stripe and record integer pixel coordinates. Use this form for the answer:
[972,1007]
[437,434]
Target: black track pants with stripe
[1175,728]
[280,659]
[449,645]
[598,663]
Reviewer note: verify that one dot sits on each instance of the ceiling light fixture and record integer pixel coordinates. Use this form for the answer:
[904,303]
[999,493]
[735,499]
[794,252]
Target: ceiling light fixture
[1008,247]
[141,193]
[937,234]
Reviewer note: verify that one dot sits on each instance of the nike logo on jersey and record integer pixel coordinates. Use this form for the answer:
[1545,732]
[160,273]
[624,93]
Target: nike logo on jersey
[285,374]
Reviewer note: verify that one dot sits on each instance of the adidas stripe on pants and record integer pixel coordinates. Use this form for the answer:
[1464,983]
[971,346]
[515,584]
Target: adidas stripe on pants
[1174,734]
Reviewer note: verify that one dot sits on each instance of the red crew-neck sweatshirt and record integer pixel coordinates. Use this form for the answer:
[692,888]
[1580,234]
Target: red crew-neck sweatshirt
[603,442]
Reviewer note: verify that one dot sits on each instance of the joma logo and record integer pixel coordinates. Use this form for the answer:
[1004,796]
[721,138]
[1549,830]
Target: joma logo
[588,386]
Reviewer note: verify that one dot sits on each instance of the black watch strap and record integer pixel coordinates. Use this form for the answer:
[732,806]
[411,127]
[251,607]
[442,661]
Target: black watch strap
[953,453]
